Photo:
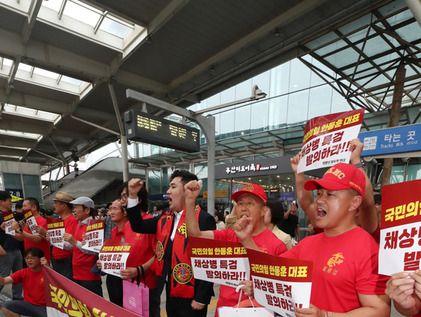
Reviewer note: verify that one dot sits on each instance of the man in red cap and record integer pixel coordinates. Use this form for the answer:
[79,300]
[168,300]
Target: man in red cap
[250,228]
[344,256]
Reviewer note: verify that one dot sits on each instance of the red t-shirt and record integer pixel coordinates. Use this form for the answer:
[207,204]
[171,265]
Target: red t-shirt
[376,235]
[343,267]
[33,285]
[142,248]
[266,241]
[83,262]
[43,245]
[70,225]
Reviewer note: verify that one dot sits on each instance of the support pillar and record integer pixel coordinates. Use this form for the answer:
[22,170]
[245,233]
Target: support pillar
[123,136]
[394,118]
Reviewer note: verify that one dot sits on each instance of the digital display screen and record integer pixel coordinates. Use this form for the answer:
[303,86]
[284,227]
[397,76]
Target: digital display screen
[149,129]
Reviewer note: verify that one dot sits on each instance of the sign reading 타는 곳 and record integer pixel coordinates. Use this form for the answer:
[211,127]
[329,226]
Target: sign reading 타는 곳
[402,139]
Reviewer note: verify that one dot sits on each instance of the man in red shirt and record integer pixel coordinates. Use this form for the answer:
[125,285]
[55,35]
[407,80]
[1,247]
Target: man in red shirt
[367,216]
[33,239]
[344,256]
[62,258]
[32,278]
[250,228]
[83,261]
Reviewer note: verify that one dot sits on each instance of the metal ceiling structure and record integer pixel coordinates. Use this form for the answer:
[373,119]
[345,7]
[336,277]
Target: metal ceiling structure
[58,59]
[258,144]
[365,55]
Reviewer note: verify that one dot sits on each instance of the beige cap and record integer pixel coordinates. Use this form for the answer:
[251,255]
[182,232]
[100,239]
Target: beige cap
[63,197]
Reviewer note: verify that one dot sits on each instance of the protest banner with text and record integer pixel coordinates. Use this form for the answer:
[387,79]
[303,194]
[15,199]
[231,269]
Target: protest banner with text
[327,139]
[8,220]
[280,284]
[55,232]
[400,233]
[114,258]
[66,298]
[31,222]
[219,262]
[94,236]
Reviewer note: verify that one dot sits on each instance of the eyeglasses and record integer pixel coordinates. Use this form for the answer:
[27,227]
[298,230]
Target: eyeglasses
[28,258]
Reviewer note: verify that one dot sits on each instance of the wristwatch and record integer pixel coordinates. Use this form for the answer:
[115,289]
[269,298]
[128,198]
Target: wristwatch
[360,164]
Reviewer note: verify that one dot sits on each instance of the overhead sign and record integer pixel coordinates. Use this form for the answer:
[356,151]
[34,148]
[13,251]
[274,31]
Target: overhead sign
[271,166]
[146,128]
[402,139]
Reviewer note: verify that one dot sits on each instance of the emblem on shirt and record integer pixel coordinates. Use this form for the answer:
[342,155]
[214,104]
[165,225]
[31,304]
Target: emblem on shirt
[159,252]
[333,263]
[183,230]
[182,273]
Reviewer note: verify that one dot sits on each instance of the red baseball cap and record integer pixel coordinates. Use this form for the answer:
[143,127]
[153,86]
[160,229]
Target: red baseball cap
[338,177]
[252,189]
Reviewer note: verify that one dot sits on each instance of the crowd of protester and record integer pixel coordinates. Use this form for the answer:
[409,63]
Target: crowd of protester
[344,214]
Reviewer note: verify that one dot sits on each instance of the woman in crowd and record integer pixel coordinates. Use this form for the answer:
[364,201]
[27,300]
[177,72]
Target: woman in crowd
[220,220]
[273,219]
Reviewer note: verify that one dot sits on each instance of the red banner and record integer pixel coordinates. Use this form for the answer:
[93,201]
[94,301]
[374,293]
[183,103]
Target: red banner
[66,298]
[401,204]
[400,234]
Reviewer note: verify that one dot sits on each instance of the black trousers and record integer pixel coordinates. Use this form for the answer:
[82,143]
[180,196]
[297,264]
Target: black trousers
[64,267]
[93,286]
[181,307]
[115,289]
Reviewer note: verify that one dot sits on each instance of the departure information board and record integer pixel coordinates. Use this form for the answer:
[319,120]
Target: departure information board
[146,128]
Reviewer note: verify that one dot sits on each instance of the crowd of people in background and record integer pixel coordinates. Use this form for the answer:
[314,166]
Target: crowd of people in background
[344,213]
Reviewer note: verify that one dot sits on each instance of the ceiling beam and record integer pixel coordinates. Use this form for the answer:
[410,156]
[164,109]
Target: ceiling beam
[32,18]
[64,62]
[23,124]
[283,19]
[54,106]
[153,26]
[7,151]
[9,140]
[34,102]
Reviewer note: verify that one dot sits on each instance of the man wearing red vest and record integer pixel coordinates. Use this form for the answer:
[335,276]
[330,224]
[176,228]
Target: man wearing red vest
[185,296]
